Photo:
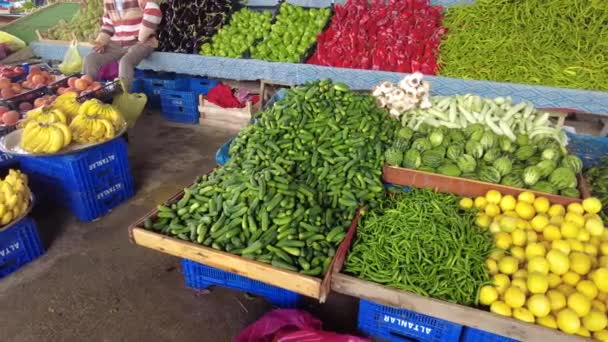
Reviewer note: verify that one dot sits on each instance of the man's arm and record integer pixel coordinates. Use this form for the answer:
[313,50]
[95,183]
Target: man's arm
[150,21]
[106,32]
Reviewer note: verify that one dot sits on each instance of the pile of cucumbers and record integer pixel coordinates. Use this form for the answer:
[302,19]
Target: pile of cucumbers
[293,183]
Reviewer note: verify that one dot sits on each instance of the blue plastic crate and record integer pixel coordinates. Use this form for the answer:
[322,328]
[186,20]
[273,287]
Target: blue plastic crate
[6,160]
[167,81]
[90,182]
[181,114]
[137,86]
[475,335]
[589,148]
[178,98]
[201,85]
[199,276]
[403,325]
[19,244]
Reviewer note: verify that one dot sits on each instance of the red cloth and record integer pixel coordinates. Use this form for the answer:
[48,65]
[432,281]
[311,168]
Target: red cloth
[222,96]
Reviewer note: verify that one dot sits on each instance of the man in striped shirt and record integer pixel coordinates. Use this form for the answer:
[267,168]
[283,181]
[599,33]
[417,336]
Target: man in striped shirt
[128,35]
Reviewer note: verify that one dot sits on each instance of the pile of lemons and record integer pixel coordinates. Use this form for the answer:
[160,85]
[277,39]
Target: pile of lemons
[550,266]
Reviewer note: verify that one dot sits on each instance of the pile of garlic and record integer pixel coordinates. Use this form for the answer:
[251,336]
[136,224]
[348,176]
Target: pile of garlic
[407,94]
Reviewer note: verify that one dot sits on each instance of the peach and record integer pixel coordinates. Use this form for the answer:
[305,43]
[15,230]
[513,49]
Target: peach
[10,117]
[80,85]
[7,92]
[23,106]
[72,82]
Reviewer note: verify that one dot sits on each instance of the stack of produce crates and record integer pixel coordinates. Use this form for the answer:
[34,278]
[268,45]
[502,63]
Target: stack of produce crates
[395,324]
[19,245]
[89,182]
[176,95]
[199,276]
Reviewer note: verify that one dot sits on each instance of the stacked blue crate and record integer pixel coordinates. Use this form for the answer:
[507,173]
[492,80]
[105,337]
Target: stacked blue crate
[180,106]
[474,335]
[403,325]
[19,245]
[89,182]
[199,276]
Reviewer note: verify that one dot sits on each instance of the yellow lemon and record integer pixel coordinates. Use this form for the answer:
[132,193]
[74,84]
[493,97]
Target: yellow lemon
[494,227]
[575,218]
[488,295]
[557,300]
[578,303]
[465,203]
[588,288]
[538,264]
[600,278]
[556,210]
[480,202]
[571,278]
[576,208]
[547,321]
[541,205]
[523,314]
[561,245]
[539,305]
[492,209]
[598,305]
[483,220]
[497,254]
[576,245]
[535,249]
[583,235]
[507,203]
[508,265]
[551,233]
[500,308]
[521,273]
[503,240]
[590,249]
[502,282]
[580,263]
[525,210]
[568,321]
[595,240]
[493,196]
[569,230]
[526,197]
[604,248]
[582,331]
[556,220]
[521,284]
[518,253]
[554,280]
[510,213]
[531,236]
[601,336]
[558,262]
[522,224]
[537,282]
[518,237]
[514,297]
[492,266]
[566,289]
[595,321]
[595,227]
[508,224]
[539,222]
[592,205]
[603,261]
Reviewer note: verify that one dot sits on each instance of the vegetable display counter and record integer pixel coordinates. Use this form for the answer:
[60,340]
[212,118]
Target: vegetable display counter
[249,69]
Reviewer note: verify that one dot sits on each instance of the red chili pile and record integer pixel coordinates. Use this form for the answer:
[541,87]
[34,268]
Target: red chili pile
[401,35]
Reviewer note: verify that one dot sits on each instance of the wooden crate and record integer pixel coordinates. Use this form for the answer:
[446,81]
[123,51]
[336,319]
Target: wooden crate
[459,314]
[43,38]
[465,187]
[214,115]
[306,285]
[268,88]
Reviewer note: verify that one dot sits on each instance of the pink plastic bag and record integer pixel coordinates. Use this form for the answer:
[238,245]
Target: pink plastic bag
[108,72]
[289,325]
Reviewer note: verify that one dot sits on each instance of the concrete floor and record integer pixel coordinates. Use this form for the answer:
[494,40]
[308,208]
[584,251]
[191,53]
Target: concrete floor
[94,285]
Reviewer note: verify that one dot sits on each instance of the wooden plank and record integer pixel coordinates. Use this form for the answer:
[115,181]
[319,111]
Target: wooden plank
[461,186]
[458,314]
[265,273]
